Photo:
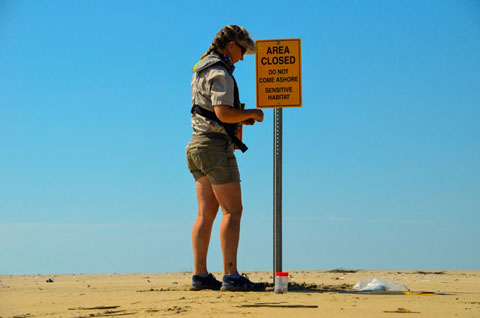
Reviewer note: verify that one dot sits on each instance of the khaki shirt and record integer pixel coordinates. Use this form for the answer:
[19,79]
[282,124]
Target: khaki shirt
[210,87]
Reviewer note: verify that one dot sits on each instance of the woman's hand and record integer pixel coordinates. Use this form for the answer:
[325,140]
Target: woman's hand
[257,114]
[249,122]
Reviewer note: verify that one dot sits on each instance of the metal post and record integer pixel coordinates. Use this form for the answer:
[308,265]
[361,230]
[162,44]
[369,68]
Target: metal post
[277,192]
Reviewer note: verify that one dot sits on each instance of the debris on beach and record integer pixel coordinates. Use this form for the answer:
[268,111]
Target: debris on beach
[429,273]
[401,311]
[278,305]
[343,271]
[314,287]
[375,284]
[94,308]
[108,311]
[178,309]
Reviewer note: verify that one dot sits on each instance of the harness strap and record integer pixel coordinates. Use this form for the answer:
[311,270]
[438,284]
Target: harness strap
[229,128]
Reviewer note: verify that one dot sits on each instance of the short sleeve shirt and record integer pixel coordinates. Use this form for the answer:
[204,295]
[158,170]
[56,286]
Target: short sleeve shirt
[210,87]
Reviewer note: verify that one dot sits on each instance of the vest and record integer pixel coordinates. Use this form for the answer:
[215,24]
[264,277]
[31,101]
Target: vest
[231,129]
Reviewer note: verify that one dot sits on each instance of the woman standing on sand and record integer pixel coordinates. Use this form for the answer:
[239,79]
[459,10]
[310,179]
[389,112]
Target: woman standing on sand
[216,113]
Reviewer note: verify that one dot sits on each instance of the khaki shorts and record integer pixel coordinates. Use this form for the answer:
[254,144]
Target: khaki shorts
[211,155]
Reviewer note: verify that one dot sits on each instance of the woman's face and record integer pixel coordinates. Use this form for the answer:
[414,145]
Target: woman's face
[235,51]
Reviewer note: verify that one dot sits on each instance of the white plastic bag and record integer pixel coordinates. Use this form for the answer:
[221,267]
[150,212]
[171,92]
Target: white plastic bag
[375,284]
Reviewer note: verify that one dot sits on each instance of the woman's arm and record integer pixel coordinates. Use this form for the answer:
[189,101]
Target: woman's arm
[230,115]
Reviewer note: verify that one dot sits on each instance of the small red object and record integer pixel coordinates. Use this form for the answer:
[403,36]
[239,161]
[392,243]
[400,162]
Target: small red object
[281,274]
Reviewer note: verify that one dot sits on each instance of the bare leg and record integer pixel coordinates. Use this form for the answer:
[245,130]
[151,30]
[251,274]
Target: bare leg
[230,198]
[202,229]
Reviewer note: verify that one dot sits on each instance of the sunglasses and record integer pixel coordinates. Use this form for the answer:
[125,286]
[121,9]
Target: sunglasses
[244,50]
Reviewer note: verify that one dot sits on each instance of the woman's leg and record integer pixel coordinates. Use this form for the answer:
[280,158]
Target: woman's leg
[202,229]
[230,198]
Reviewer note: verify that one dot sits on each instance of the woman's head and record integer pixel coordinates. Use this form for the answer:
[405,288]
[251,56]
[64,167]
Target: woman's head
[232,40]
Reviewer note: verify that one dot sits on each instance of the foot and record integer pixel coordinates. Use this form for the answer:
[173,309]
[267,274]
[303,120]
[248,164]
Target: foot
[200,282]
[236,282]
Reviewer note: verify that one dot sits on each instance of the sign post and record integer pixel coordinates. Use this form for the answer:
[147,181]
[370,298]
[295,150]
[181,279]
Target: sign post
[277,192]
[279,84]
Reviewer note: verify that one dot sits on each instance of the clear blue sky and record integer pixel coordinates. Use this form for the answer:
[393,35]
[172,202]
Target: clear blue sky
[381,164]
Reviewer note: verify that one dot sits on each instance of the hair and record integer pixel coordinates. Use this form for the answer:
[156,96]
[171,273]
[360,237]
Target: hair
[231,33]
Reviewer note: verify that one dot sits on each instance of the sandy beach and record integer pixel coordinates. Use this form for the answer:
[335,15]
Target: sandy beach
[311,294]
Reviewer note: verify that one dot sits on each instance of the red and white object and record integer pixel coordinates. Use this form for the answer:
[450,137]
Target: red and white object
[281,282]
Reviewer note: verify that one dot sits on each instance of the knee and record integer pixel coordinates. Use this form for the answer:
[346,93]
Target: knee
[208,212]
[234,214]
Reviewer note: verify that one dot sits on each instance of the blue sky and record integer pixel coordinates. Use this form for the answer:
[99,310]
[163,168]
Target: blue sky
[381,164]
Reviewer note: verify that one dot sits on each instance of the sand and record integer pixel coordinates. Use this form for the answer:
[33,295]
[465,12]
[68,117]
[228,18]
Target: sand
[319,294]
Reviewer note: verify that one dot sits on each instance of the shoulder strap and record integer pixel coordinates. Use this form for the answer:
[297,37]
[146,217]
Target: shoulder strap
[229,128]
[208,61]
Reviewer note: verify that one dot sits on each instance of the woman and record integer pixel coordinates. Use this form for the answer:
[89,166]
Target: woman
[216,113]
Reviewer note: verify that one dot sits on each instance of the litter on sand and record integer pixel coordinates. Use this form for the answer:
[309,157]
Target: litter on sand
[278,305]
[401,311]
[375,284]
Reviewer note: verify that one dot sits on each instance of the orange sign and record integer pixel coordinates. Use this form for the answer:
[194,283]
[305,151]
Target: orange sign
[279,73]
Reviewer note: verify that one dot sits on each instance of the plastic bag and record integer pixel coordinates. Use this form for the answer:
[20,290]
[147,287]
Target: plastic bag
[375,284]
